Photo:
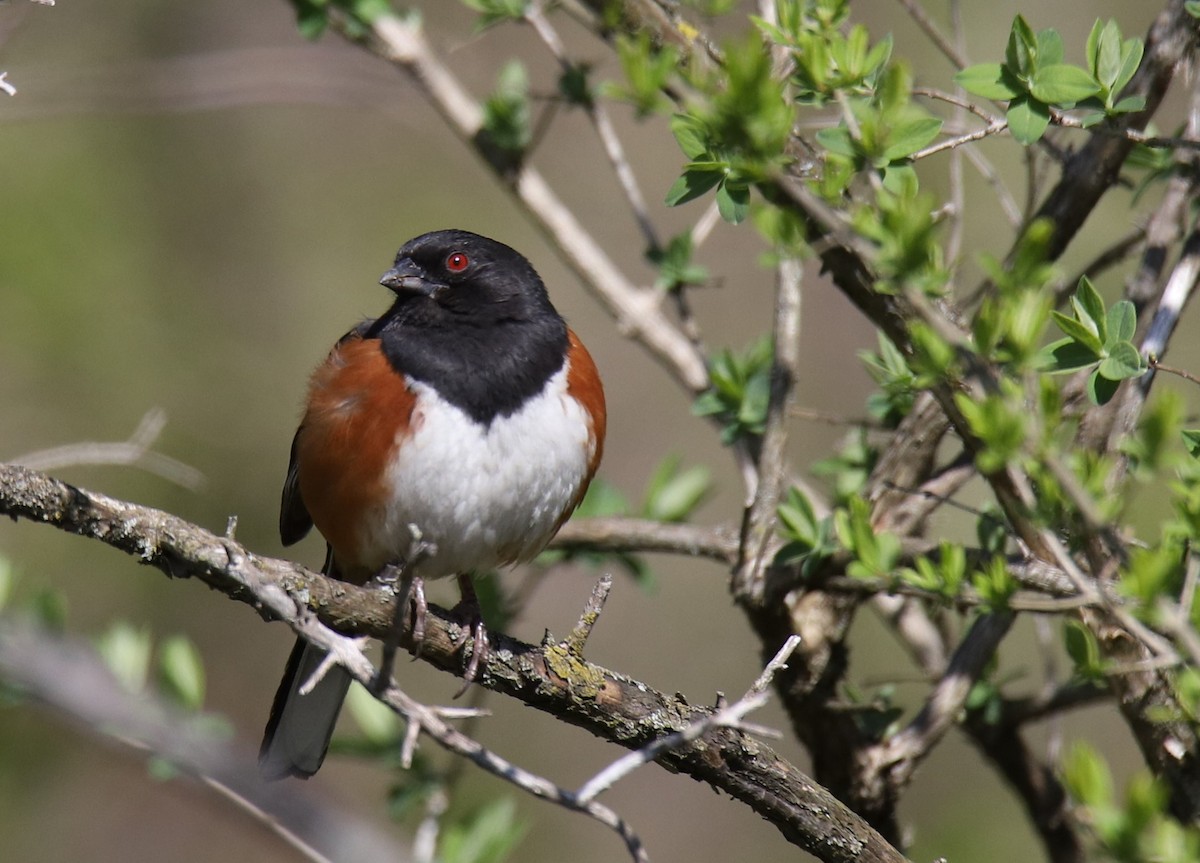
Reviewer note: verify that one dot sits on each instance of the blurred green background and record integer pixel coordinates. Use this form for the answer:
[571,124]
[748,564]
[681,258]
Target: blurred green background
[194,202]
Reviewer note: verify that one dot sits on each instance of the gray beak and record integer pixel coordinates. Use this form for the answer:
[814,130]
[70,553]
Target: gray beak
[407,276]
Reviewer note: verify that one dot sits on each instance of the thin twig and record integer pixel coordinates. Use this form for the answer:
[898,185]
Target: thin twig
[602,122]
[730,716]
[134,451]
[921,19]
[758,531]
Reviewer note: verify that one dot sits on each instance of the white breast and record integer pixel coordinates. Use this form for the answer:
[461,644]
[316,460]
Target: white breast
[486,496]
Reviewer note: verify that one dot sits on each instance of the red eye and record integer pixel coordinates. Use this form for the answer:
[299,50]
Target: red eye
[457,262]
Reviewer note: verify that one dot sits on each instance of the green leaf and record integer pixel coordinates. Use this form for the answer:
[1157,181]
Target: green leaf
[910,137]
[1130,104]
[1079,332]
[1123,361]
[1191,440]
[1104,52]
[378,722]
[1082,648]
[506,113]
[1067,355]
[690,133]
[1049,47]
[671,494]
[1028,119]
[126,652]
[311,18]
[798,520]
[1131,59]
[1021,51]
[7,581]
[487,837]
[1062,84]
[691,185]
[575,87]
[1089,305]
[733,202]
[837,140]
[989,80]
[492,12]
[1101,389]
[181,672]
[1122,321]
[1087,775]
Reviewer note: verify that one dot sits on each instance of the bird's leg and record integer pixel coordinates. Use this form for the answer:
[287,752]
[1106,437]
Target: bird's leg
[468,608]
[412,591]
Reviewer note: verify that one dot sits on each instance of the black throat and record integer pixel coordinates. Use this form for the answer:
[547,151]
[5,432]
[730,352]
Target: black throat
[485,371]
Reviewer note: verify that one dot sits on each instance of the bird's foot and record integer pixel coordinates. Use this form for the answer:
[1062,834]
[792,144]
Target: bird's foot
[468,609]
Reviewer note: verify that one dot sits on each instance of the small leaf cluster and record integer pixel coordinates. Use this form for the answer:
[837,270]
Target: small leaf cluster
[876,715]
[489,835]
[1136,829]
[676,269]
[648,69]
[947,573]
[897,382]
[673,492]
[876,554]
[1096,338]
[1011,321]
[1034,77]
[492,12]
[127,651]
[506,113]
[312,16]
[850,467]
[1113,63]
[827,60]
[1001,423]
[890,128]
[737,139]
[904,230]
[808,540]
[740,391]
[944,574]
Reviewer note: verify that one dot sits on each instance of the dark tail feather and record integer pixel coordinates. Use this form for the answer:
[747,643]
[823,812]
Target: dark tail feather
[298,732]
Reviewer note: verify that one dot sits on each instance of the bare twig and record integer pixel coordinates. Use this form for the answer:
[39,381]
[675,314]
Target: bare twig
[904,750]
[730,716]
[591,614]
[602,122]
[921,19]
[135,451]
[758,530]
[967,138]
[621,534]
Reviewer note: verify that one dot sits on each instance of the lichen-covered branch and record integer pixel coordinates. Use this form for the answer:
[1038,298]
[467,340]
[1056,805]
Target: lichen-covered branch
[548,676]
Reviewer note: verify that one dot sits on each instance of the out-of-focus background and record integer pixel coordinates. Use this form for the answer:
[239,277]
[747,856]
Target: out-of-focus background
[194,203]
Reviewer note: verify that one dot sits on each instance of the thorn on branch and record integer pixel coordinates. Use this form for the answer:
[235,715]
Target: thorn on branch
[591,615]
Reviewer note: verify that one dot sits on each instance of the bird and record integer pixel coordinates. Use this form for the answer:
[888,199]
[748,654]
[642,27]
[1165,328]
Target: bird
[469,415]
